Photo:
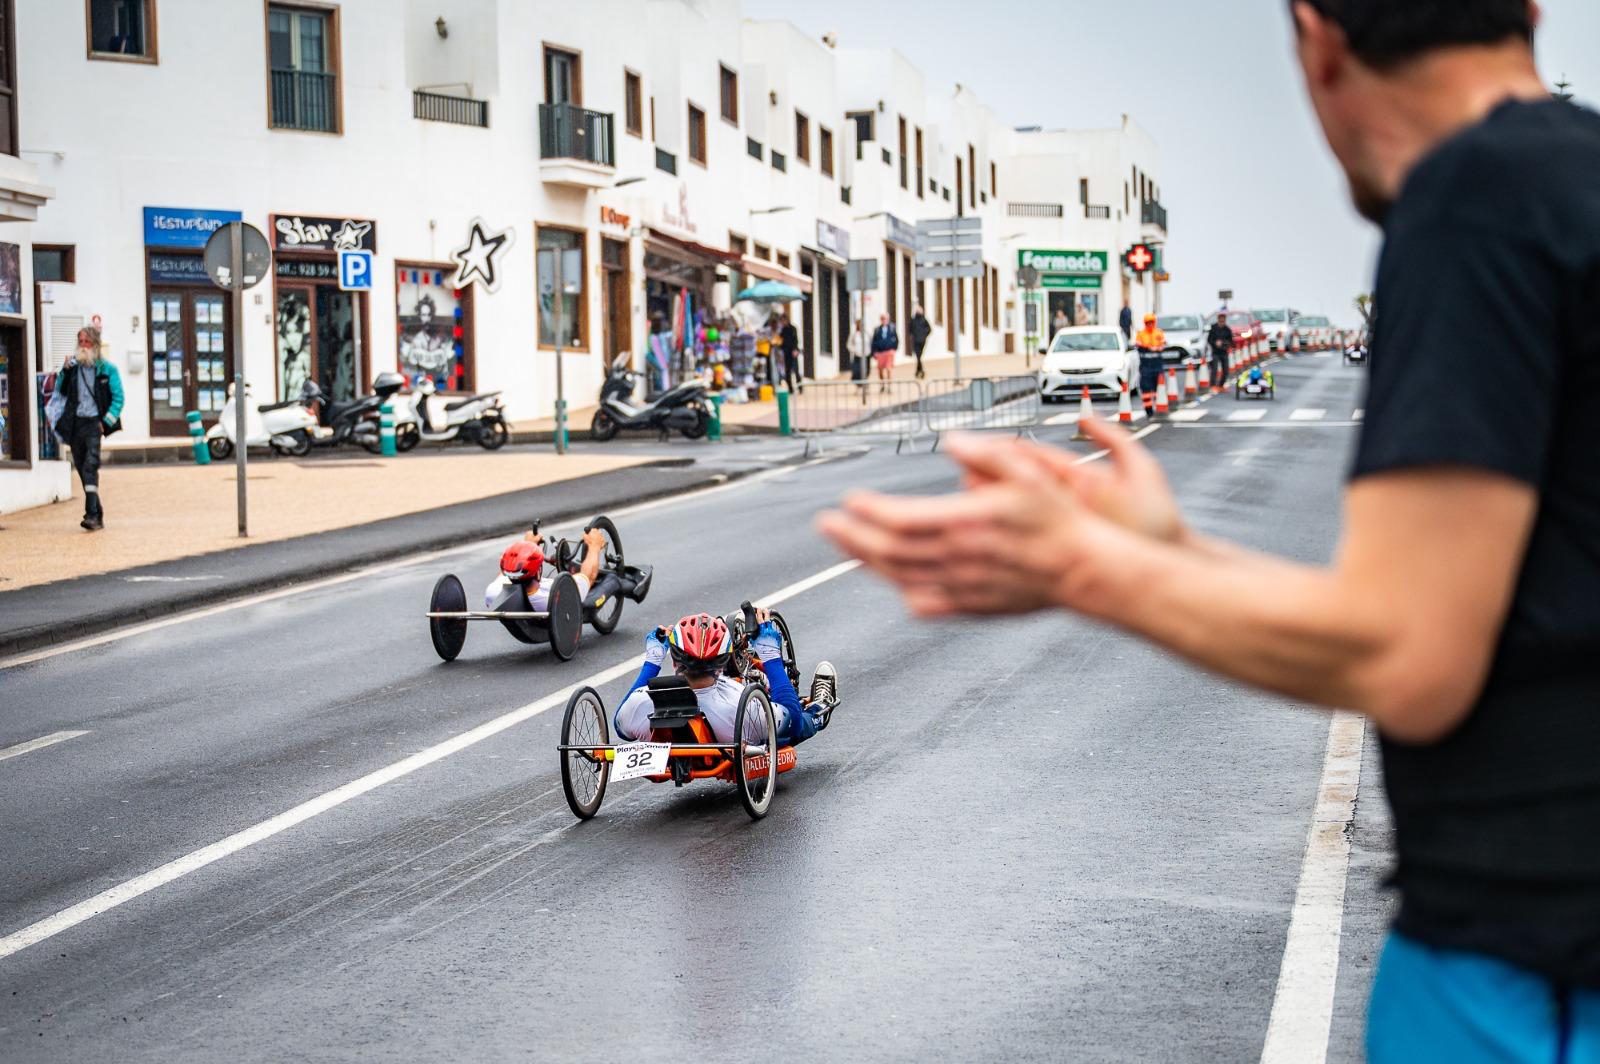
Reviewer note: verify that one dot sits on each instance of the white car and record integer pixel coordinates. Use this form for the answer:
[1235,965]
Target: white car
[1278,326]
[1316,333]
[1092,356]
[1186,338]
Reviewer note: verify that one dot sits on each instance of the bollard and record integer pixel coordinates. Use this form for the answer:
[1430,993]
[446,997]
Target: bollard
[561,426]
[202,453]
[715,432]
[386,429]
[783,413]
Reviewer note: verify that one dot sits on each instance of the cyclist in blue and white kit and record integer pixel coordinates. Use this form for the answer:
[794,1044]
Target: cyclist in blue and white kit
[700,646]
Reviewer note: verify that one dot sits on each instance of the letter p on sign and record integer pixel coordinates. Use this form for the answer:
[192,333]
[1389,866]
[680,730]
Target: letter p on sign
[355,271]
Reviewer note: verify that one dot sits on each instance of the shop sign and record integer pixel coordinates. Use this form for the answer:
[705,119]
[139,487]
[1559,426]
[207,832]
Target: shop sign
[832,239]
[178,269]
[305,232]
[1095,262]
[1060,281]
[306,269]
[183,227]
[901,233]
[615,218]
[676,215]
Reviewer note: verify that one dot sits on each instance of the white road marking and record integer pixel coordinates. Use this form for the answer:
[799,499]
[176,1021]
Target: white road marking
[112,897]
[1062,419]
[1302,1007]
[39,743]
[1097,455]
[1248,415]
[365,573]
[1308,413]
[1187,415]
[1359,414]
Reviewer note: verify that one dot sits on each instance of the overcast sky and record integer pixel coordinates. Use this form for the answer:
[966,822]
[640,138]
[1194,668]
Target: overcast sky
[1209,87]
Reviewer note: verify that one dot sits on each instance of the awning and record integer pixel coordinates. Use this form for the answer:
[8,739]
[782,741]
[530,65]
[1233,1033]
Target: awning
[773,272]
[687,251]
[827,258]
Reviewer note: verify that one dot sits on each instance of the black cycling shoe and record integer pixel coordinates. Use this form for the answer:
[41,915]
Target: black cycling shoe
[824,693]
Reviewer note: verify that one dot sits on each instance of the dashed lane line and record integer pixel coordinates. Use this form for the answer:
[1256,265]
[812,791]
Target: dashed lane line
[1248,415]
[1308,413]
[38,744]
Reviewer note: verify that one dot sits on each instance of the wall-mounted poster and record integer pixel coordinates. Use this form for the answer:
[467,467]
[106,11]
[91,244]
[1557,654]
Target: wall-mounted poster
[432,327]
[10,278]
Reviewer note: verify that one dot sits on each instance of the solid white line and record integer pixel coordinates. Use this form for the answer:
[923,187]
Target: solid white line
[39,743]
[1248,415]
[1302,1007]
[367,572]
[1308,413]
[109,899]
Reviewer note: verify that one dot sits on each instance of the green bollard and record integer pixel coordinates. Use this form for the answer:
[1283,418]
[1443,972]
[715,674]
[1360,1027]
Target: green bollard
[715,432]
[197,433]
[561,427]
[386,429]
[783,413]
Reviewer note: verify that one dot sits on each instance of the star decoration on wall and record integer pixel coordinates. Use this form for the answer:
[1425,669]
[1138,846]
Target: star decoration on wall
[348,238]
[477,262]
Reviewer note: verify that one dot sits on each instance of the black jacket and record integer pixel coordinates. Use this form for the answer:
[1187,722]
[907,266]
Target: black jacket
[107,397]
[788,338]
[920,330]
[1220,337]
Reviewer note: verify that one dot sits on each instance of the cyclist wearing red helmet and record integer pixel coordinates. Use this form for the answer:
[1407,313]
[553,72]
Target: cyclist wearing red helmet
[700,646]
[523,562]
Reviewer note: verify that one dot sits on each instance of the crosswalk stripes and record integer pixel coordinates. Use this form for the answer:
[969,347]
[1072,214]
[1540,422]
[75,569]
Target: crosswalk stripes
[1307,413]
[1187,415]
[1248,415]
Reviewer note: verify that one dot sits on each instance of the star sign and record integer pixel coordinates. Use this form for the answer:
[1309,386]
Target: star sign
[477,261]
[348,238]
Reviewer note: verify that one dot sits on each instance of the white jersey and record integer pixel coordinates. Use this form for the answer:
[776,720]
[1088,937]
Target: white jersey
[719,702]
[539,601]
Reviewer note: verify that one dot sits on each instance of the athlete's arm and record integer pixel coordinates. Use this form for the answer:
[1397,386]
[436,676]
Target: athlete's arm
[655,653]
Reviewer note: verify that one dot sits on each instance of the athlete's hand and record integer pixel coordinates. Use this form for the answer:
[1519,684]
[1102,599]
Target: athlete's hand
[768,643]
[655,647]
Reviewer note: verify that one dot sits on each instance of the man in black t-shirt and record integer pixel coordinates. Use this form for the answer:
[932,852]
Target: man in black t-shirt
[1461,613]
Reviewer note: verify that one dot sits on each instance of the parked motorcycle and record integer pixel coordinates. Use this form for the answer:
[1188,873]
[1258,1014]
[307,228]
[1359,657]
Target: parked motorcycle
[427,415]
[356,420]
[289,427]
[682,409]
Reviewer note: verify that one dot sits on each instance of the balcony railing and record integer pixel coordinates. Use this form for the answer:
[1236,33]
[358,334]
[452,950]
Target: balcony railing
[460,110]
[1098,212]
[569,132]
[1153,213]
[303,99]
[1034,210]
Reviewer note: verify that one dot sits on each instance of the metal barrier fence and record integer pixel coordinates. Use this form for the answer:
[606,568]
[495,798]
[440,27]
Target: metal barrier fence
[905,409]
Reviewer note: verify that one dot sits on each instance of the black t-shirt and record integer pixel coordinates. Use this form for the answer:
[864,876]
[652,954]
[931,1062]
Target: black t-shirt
[1486,354]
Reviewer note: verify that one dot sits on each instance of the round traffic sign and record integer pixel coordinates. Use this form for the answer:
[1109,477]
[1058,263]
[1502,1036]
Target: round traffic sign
[255,254]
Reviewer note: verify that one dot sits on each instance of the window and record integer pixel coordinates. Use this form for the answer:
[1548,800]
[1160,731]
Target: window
[8,80]
[1083,191]
[303,57]
[570,303]
[122,29]
[994,180]
[697,135]
[666,162]
[563,76]
[763,252]
[783,259]
[904,161]
[52,262]
[730,95]
[753,148]
[961,198]
[825,150]
[738,244]
[802,138]
[779,163]
[983,297]
[434,334]
[633,102]
[652,118]
[919,163]
[972,172]
[864,124]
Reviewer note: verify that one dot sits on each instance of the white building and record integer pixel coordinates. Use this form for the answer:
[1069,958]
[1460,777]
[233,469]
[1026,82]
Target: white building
[664,151]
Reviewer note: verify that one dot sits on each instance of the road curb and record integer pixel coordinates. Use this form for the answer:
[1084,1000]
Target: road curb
[293,562]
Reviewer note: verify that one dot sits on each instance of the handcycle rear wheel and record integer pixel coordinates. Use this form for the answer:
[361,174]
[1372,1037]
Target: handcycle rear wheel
[582,778]
[565,616]
[755,735]
[449,633]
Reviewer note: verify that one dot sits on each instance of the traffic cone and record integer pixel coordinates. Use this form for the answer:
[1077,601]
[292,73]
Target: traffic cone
[1173,399]
[1205,378]
[1085,412]
[1124,406]
[1190,389]
[1161,394]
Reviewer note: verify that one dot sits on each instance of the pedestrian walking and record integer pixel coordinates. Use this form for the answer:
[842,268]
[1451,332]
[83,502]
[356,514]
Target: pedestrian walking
[1462,611]
[1059,322]
[856,348]
[1150,343]
[1125,320]
[789,344]
[90,408]
[920,331]
[885,342]
[1219,341]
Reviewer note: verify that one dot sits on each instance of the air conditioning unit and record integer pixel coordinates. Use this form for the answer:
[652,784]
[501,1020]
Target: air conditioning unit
[60,319]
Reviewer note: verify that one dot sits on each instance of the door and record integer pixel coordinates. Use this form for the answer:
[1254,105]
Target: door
[294,338]
[808,325]
[617,319]
[562,83]
[191,357]
[950,315]
[334,360]
[891,272]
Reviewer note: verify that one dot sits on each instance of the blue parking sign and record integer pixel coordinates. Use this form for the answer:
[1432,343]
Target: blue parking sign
[355,271]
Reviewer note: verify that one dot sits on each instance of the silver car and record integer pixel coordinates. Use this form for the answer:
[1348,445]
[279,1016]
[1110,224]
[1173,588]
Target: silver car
[1186,338]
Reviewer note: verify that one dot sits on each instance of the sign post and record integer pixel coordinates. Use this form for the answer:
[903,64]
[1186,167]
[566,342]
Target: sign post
[1028,280]
[237,257]
[951,249]
[860,276]
[355,275]
[558,289]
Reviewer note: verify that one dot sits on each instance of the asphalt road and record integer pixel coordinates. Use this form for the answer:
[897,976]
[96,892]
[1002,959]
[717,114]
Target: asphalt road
[1030,840]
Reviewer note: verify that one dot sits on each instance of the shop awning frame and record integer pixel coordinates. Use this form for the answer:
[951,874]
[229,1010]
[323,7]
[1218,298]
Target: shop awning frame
[772,272]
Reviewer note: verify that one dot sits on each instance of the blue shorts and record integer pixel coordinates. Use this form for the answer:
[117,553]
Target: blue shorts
[1433,1004]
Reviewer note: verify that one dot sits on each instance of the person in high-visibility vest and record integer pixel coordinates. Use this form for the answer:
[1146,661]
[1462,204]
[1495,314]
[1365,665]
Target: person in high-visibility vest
[1150,343]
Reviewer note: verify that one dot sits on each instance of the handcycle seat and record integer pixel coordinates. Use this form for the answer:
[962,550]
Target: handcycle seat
[674,701]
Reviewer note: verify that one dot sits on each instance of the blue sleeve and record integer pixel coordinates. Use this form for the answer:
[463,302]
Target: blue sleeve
[647,672]
[796,726]
[114,379]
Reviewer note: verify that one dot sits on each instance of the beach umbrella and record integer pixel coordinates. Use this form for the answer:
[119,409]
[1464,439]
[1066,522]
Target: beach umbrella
[771,292]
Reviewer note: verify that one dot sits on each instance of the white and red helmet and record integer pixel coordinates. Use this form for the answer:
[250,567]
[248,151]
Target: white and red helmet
[700,643]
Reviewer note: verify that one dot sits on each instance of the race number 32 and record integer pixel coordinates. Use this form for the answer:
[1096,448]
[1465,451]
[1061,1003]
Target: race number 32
[633,760]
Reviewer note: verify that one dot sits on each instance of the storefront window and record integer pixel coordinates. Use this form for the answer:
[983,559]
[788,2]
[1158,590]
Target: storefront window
[561,316]
[434,327]
[13,445]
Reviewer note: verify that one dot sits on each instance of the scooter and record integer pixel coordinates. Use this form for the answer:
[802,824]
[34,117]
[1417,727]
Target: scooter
[439,419]
[356,420]
[682,408]
[289,427]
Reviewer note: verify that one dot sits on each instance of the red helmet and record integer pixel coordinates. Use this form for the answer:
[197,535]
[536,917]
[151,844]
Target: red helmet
[700,643]
[522,561]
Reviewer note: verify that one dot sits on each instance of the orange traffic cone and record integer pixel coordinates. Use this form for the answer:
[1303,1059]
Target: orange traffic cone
[1161,394]
[1173,400]
[1085,412]
[1124,406]
[1190,389]
[1205,377]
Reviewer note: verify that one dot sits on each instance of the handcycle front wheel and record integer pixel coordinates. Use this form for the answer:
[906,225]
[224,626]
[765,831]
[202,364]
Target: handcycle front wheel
[755,760]
[583,779]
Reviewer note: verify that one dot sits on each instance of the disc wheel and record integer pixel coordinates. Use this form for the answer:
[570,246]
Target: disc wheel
[221,448]
[755,761]
[602,426]
[449,633]
[584,778]
[566,616]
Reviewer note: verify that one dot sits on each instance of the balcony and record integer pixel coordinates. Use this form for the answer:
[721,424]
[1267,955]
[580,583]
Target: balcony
[577,147]
[1154,214]
[457,110]
[1096,212]
[305,100]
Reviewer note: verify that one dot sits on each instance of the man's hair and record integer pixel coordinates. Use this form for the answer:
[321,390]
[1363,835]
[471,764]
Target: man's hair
[1386,33]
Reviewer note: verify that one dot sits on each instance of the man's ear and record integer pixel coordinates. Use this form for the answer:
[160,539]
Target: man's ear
[1324,49]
